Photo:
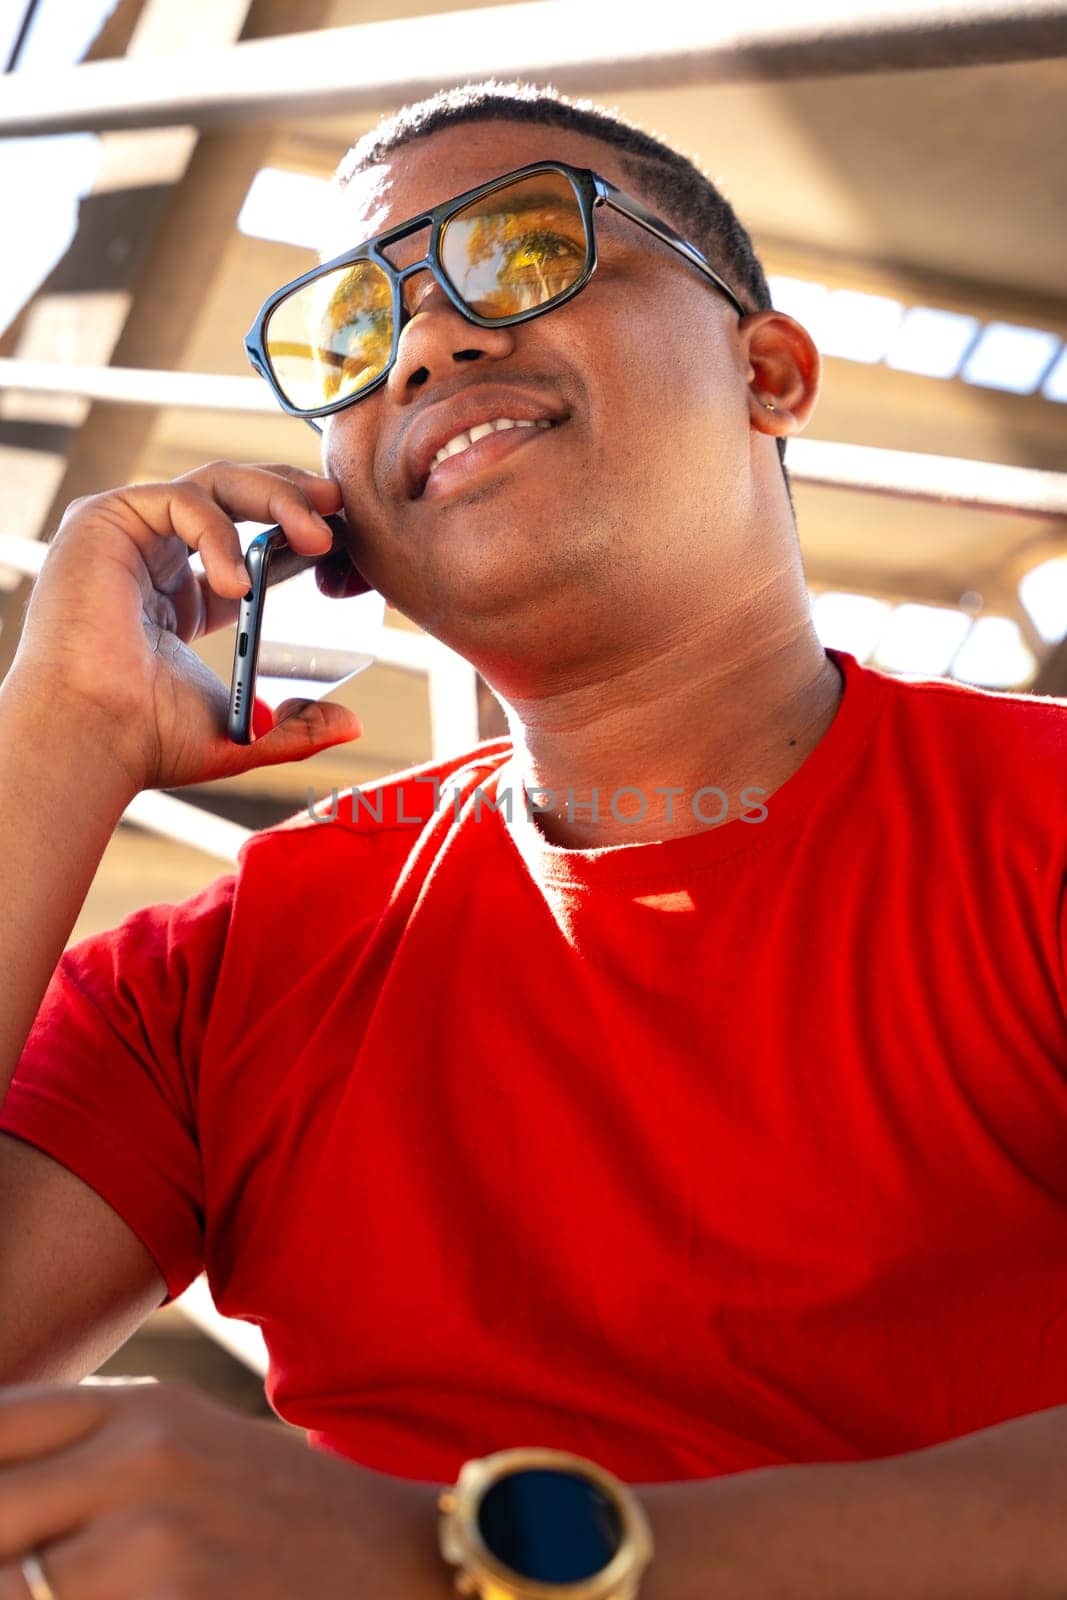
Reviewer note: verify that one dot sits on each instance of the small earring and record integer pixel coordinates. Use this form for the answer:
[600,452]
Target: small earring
[768,405]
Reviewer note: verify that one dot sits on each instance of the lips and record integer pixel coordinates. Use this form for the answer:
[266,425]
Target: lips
[480,403]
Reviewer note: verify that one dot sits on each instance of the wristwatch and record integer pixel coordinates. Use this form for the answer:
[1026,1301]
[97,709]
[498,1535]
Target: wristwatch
[539,1524]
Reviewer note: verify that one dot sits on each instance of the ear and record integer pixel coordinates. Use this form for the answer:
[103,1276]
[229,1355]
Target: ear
[783,372]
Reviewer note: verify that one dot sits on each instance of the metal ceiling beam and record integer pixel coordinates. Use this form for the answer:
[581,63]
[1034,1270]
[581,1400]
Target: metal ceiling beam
[940,480]
[139,386]
[372,66]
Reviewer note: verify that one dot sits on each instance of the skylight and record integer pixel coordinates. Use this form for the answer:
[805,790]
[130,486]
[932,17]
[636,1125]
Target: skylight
[1055,385]
[851,622]
[859,327]
[921,639]
[927,340]
[930,641]
[59,33]
[931,342]
[802,299]
[1043,592]
[1010,357]
[43,179]
[994,655]
[286,207]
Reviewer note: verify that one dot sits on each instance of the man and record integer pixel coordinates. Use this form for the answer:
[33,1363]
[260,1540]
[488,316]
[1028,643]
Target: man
[703,1114]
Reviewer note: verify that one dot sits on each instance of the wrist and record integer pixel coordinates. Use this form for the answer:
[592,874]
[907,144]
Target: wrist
[395,1522]
[63,737]
[532,1522]
[791,1530]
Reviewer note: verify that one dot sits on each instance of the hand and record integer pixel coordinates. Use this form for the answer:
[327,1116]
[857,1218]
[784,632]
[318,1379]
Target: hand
[116,605]
[133,1490]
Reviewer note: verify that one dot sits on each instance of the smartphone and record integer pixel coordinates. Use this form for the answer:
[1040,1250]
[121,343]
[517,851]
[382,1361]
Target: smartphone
[307,625]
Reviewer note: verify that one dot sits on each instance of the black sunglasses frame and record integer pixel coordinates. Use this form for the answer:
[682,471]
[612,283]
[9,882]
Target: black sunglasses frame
[591,190]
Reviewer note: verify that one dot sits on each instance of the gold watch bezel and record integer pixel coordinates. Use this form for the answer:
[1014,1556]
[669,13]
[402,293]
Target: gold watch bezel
[481,1574]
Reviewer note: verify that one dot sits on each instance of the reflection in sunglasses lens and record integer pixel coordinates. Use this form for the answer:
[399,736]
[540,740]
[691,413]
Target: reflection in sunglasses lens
[332,337]
[517,248]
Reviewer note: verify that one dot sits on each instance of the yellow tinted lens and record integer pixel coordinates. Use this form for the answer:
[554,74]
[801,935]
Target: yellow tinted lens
[519,247]
[333,337]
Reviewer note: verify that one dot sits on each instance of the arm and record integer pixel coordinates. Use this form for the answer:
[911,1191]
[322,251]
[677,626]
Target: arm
[977,1518]
[61,797]
[102,700]
[75,1281]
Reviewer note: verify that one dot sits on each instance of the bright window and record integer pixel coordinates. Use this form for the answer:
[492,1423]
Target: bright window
[931,342]
[1043,592]
[284,206]
[1009,357]
[921,639]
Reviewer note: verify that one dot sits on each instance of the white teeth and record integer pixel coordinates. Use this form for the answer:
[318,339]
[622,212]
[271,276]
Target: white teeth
[463,441]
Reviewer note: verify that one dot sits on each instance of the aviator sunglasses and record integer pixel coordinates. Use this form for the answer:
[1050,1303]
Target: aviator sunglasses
[503,253]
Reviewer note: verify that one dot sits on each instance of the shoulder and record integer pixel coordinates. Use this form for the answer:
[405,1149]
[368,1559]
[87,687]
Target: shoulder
[968,719]
[972,751]
[957,713]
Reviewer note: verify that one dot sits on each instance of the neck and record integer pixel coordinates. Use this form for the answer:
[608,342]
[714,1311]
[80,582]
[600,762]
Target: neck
[723,717]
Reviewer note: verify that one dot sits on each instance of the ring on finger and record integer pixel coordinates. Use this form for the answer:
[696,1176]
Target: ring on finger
[36,1582]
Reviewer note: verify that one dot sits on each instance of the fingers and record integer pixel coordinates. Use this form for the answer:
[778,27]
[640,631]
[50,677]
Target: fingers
[299,502]
[45,1499]
[219,611]
[324,493]
[200,509]
[37,1418]
[220,494]
[81,1565]
[66,1493]
[189,512]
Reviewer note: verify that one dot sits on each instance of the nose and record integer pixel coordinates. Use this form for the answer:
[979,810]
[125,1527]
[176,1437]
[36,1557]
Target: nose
[436,337]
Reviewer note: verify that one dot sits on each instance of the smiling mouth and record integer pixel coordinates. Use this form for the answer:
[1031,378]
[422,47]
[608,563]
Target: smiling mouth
[455,470]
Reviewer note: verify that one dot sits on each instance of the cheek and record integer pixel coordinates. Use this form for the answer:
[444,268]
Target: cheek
[663,353]
[348,456]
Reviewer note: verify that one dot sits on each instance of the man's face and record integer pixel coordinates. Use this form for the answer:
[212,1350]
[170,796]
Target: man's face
[614,507]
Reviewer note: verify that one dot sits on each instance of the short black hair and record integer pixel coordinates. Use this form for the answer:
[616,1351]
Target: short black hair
[680,189]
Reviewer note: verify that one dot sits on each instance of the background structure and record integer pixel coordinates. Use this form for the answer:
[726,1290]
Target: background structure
[905,180]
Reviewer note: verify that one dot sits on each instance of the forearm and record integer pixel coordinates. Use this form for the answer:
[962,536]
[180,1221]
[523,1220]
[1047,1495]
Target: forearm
[61,796]
[978,1518]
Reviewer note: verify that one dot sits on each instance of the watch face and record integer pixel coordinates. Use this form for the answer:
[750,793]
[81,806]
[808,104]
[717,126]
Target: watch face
[555,1527]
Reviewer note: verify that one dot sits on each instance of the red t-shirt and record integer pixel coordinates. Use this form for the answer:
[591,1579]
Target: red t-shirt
[745,1148]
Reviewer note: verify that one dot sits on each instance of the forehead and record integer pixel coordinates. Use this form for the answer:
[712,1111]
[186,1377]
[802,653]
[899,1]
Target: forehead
[429,170]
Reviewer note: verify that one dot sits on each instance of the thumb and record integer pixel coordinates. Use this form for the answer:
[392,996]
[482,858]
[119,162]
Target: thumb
[300,729]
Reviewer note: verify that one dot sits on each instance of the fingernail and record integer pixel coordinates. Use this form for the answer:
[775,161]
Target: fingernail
[323,524]
[262,718]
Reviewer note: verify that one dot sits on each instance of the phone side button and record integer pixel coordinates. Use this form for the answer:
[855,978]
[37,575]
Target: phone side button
[242,645]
